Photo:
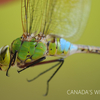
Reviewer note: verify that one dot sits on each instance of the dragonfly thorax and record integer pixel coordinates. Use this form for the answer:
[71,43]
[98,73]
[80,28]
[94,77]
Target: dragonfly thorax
[29,49]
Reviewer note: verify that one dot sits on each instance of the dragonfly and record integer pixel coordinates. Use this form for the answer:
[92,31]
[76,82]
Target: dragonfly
[48,26]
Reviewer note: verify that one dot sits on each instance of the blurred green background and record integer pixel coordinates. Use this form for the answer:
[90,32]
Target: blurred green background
[79,72]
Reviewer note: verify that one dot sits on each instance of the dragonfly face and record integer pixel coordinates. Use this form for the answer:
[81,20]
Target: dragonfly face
[4,57]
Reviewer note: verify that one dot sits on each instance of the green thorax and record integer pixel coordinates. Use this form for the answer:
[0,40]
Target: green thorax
[28,50]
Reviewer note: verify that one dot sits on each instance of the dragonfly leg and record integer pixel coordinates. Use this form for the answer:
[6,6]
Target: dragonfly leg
[12,60]
[43,72]
[32,64]
[46,62]
[61,61]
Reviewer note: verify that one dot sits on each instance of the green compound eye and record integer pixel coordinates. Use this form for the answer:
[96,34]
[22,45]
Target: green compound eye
[4,57]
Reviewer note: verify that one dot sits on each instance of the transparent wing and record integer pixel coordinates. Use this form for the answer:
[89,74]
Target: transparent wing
[32,13]
[66,18]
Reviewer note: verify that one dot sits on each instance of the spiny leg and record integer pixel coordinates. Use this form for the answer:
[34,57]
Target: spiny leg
[34,63]
[12,60]
[43,72]
[46,62]
[53,76]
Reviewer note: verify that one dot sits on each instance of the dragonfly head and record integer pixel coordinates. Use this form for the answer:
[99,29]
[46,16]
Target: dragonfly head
[4,57]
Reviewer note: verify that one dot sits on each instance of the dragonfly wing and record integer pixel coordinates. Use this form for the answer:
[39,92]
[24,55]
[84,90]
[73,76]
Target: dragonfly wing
[66,18]
[31,15]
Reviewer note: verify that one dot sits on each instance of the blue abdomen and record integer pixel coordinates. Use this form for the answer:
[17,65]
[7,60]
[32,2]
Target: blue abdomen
[65,45]
[60,47]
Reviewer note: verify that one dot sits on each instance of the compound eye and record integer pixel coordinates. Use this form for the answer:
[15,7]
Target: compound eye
[4,57]
[3,51]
